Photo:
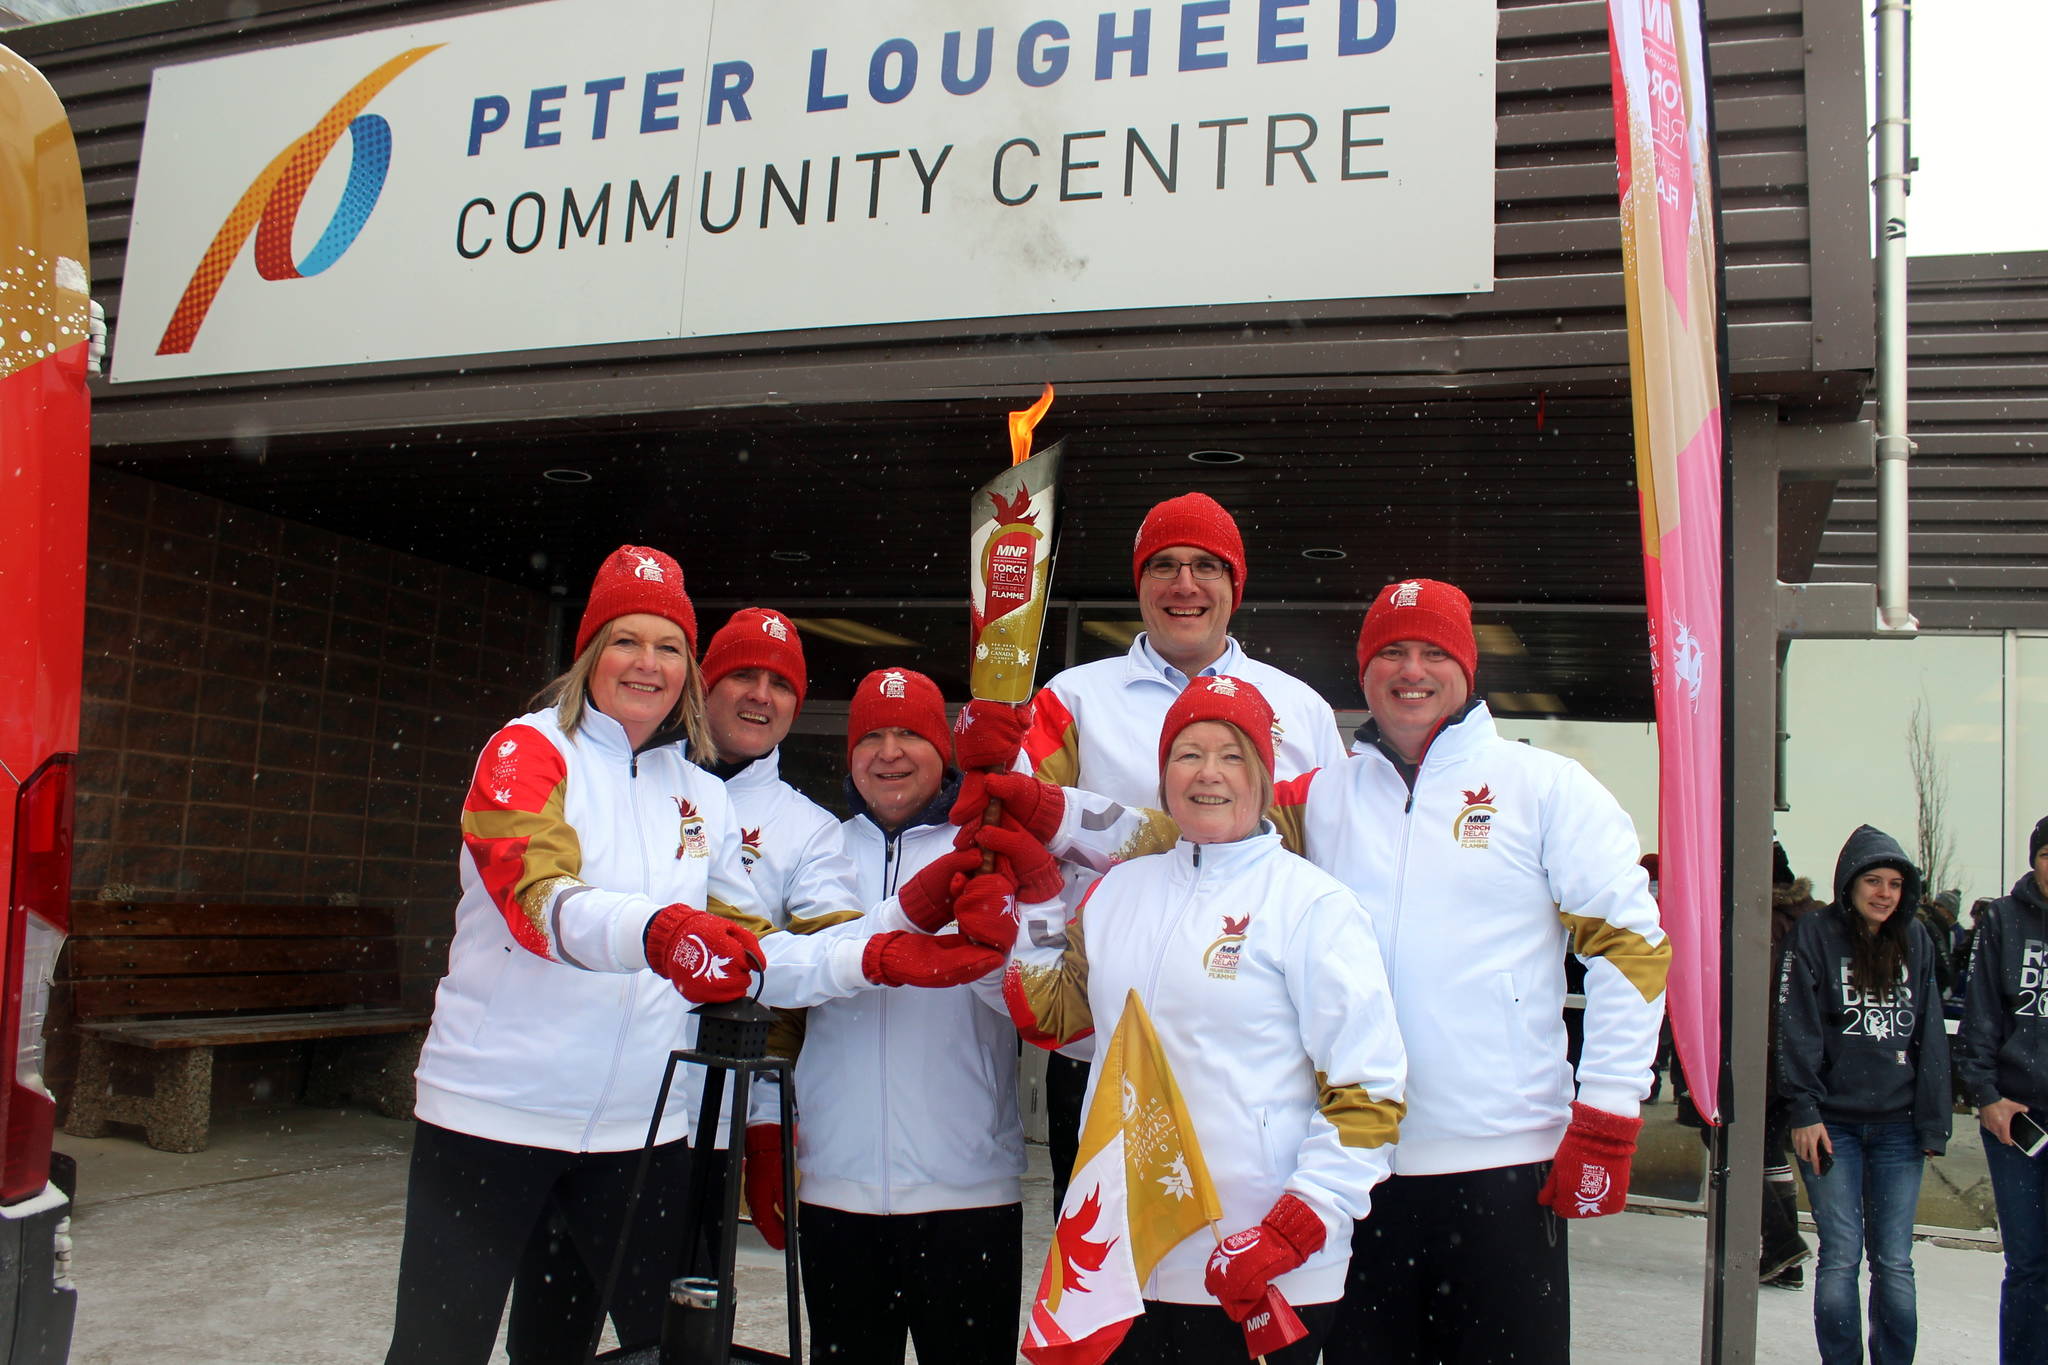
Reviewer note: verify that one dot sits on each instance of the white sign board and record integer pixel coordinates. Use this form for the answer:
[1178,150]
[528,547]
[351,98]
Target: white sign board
[589,171]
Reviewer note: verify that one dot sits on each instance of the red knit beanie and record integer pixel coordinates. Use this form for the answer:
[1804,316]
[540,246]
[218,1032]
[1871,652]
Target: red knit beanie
[903,699]
[634,579]
[1198,520]
[756,637]
[1219,697]
[1420,609]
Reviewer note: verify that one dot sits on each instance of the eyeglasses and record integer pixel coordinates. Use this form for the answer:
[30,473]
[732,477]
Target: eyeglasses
[1206,570]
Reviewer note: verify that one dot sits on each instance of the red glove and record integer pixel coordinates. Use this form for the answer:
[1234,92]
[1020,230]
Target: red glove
[762,1175]
[705,955]
[988,735]
[1028,804]
[1024,862]
[986,914]
[1589,1174]
[903,958]
[927,898]
[1249,1261]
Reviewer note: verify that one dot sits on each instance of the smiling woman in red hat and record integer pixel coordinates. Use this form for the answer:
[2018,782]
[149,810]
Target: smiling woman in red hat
[603,893]
[1262,977]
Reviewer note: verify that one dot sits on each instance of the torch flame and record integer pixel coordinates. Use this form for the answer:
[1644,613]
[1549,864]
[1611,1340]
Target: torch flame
[1021,424]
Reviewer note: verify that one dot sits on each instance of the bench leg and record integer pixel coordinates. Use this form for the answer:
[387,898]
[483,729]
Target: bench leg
[91,1089]
[178,1113]
[374,1071]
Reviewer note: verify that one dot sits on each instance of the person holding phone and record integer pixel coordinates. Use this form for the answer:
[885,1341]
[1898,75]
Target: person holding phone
[2002,1060]
[1863,1066]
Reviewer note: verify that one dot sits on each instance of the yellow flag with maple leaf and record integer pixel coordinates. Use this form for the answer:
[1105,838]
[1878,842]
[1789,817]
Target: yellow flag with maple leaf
[1140,1188]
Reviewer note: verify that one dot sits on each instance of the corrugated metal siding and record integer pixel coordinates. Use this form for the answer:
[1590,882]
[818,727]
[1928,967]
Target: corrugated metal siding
[1789,105]
[1978,392]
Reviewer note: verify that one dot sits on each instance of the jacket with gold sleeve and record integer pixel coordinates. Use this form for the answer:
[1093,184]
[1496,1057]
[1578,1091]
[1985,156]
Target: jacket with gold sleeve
[549,1030]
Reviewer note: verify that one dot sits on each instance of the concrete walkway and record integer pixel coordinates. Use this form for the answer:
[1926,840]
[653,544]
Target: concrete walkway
[280,1244]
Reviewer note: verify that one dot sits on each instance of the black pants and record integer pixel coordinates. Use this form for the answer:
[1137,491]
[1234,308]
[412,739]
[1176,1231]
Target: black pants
[1066,1085]
[472,1204]
[554,1294]
[1463,1269]
[950,1280]
[1203,1334]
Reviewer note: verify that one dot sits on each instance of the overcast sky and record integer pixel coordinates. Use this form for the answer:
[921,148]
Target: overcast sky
[1980,108]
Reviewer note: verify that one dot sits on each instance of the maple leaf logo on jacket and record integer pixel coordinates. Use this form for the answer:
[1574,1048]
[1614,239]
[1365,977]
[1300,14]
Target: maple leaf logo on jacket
[1221,959]
[750,848]
[1014,511]
[1474,826]
[1078,1255]
[694,844]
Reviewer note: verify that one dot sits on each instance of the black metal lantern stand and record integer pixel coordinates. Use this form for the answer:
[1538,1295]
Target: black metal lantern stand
[697,1325]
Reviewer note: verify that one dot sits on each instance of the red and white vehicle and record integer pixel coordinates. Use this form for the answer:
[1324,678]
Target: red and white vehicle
[44,347]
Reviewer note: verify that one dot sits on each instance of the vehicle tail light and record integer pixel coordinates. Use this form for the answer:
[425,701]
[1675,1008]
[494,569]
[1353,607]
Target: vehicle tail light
[39,916]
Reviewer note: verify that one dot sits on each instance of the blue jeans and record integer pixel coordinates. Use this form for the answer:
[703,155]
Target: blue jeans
[2020,1185]
[1866,1203]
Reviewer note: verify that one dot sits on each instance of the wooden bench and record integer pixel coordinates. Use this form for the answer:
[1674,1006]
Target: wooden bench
[165,984]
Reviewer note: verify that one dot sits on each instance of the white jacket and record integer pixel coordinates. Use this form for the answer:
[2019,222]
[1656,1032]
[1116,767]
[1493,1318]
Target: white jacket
[1096,726]
[907,1098]
[1263,981]
[548,1029]
[792,847]
[1476,882]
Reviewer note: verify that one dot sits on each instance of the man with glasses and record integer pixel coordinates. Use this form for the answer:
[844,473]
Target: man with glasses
[1097,726]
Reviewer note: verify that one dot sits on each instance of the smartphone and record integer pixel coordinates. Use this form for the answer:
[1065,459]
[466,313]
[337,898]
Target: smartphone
[1823,1160]
[2030,1135]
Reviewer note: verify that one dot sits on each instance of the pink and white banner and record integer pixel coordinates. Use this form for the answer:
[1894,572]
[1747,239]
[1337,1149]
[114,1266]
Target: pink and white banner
[1669,252]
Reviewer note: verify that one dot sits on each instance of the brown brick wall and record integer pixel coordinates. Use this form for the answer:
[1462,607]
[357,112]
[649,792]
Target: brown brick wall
[277,714]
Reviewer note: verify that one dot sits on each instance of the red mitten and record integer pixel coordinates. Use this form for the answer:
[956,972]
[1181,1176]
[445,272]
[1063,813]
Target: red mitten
[903,958]
[1589,1174]
[1024,861]
[988,735]
[705,955]
[1028,804]
[927,898]
[1249,1261]
[987,913]
[762,1175]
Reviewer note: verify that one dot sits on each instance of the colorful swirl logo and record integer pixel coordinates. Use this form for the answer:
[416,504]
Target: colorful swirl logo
[270,206]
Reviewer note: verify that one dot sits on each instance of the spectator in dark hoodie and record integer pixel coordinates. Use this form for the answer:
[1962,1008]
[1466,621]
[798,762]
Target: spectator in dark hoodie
[2002,1060]
[1864,1070]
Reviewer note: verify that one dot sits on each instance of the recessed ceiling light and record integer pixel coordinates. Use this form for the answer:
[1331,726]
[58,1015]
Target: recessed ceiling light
[1215,457]
[565,476]
[790,556]
[1324,552]
[850,632]
[1494,638]
[1122,634]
